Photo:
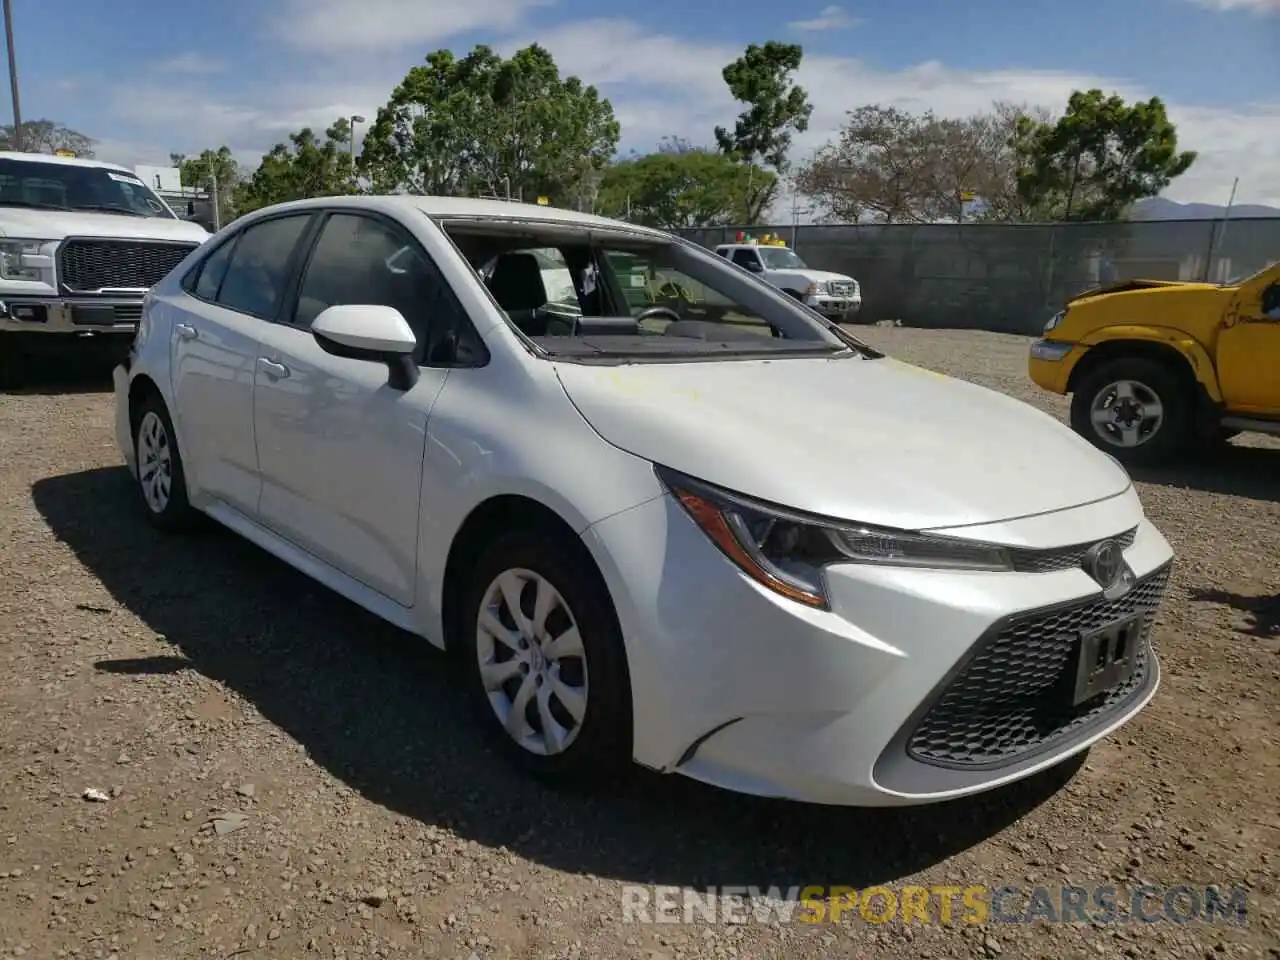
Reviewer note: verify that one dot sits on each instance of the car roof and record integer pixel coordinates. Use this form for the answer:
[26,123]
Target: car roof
[464,208]
[65,161]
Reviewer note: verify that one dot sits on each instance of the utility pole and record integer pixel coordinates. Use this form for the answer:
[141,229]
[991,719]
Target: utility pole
[354,120]
[13,77]
[1216,235]
[217,216]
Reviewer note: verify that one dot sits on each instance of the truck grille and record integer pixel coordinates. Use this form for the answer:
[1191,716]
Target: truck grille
[839,288]
[87,266]
[1014,697]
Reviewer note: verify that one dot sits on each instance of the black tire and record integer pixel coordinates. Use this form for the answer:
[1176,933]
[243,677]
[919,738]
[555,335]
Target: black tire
[602,746]
[176,514]
[1173,436]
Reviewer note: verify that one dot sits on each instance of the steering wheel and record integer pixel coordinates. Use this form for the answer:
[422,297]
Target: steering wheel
[648,312]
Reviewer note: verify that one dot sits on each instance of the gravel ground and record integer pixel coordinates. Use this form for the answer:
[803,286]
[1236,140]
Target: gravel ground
[284,776]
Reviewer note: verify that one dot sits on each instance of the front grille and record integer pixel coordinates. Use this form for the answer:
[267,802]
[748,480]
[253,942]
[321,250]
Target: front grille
[1062,558]
[840,289]
[87,266]
[1014,696]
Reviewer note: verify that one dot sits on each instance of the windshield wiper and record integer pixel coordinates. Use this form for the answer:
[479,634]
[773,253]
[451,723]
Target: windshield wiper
[33,204]
[107,208]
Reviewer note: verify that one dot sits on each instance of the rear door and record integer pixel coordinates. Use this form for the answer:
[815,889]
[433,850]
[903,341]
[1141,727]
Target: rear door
[1249,347]
[216,326]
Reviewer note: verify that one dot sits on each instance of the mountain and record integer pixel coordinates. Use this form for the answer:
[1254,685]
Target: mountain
[1158,208]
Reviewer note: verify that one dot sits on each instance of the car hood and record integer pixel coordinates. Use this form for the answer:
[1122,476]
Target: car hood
[876,441]
[1129,286]
[816,276]
[57,224]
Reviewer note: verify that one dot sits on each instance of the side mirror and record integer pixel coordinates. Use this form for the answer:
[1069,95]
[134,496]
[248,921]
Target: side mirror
[754,266]
[366,331]
[1271,300]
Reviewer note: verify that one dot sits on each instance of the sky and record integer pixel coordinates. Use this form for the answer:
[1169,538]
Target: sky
[146,77]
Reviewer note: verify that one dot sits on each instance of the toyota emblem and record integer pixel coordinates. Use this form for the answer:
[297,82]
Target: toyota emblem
[1105,563]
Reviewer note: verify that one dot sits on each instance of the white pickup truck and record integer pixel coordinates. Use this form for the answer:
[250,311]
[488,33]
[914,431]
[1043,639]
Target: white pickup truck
[833,295]
[81,243]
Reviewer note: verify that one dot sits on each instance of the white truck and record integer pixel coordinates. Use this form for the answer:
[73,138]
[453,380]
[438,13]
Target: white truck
[81,243]
[833,295]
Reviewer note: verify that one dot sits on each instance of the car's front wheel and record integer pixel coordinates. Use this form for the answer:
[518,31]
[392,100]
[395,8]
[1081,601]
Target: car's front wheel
[1134,408]
[545,659]
[161,479]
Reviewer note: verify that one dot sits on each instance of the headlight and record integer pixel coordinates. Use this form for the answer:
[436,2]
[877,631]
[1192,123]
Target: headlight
[1054,320]
[788,551]
[12,254]
[814,289]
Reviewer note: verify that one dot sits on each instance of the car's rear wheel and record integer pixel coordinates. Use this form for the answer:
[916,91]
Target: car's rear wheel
[161,479]
[544,656]
[1134,408]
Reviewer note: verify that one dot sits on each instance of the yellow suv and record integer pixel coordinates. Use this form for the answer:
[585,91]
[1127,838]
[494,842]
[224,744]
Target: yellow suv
[1156,368]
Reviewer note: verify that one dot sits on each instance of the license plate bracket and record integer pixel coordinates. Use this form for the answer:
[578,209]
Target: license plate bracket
[1107,657]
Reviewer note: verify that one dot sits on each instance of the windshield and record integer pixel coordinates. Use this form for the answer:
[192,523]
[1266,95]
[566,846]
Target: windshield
[780,258]
[65,186]
[1243,278]
[609,295]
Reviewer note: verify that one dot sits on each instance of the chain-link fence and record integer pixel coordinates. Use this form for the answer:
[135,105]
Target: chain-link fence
[1012,277]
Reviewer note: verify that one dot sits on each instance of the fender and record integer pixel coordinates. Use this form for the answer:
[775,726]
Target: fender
[1191,349]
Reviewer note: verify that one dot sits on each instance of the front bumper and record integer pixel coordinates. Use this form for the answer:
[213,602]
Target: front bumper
[838,307]
[1050,362]
[82,316]
[737,687]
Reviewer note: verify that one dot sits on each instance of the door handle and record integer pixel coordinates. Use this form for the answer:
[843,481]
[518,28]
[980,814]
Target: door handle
[276,371]
[187,332]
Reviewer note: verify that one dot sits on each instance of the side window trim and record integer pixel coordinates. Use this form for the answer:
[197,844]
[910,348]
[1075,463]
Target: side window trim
[234,240]
[191,279]
[305,252]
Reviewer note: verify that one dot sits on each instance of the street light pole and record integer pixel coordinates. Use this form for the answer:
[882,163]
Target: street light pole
[13,77]
[353,121]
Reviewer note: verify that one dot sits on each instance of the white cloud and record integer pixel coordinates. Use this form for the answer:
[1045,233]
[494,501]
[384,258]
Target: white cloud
[829,18]
[664,85]
[378,25]
[190,63]
[1259,7]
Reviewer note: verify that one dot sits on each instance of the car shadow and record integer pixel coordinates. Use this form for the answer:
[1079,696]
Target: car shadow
[378,709]
[1263,611]
[1250,472]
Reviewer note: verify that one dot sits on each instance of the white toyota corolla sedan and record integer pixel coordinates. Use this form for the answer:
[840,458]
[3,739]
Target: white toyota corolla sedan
[662,512]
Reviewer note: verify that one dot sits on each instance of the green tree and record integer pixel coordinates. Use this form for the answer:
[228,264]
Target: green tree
[1099,158]
[679,186]
[47,136]
[484,124]
[210,168]
[776,108]
[305,167]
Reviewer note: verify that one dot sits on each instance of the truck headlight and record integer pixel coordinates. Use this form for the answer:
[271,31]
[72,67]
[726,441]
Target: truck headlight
[815,289]
[13,259]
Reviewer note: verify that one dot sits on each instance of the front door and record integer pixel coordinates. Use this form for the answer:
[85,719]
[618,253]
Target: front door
[1249,347]
[215,330]
[339,450]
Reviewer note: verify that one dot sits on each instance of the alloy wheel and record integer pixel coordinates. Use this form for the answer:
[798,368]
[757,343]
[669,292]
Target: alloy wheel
[155,462]
[1126,413]
[532,662]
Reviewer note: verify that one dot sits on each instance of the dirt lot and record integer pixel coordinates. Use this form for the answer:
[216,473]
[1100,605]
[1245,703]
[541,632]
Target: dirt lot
[190,678]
